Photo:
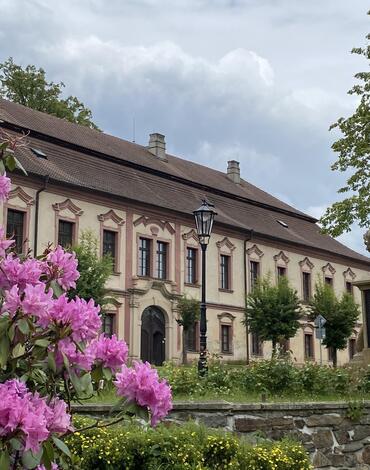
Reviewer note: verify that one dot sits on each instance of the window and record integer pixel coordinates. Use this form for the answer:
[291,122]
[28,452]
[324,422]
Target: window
[162,249]
[65,233]
[224,272]
[226,338]
[281,271]
[144,256]
[15,228]
[110,245]
[108,324]
[351,348]
[256,345]
[349,287]
[254,269]
[308,346]
[191,265]
[192,337]
[329,281]
[306,284]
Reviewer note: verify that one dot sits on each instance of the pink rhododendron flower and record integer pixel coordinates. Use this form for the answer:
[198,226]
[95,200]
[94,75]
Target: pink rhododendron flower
[35,302]
[110,351]
[27,414]
[63,267]
[5,187]
[142,384]
[60,420]
[4,242]
[82,316]
[13,271]
[54,466]
[76,358]
[12,301]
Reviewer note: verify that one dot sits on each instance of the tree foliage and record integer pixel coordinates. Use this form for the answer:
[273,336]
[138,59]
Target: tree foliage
[353,149]
[94,271]
[189,313]
[341,316]
[273,311]
[29,86]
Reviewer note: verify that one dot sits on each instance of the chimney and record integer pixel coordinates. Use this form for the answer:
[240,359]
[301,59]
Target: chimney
[233,171]
[157,146]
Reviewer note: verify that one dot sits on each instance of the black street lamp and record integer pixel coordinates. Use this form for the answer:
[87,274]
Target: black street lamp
[204,217]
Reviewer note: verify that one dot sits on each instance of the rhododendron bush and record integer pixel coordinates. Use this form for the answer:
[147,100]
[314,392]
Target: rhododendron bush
[52,353]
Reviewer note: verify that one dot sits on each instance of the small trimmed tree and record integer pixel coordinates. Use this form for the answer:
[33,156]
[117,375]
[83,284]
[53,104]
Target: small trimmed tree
[189,313]
[94,271]
[340,315]
[273,311]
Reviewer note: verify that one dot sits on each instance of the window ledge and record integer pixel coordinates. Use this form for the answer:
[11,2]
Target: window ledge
[228,291]
[190,284]
[227,353]
[116,273]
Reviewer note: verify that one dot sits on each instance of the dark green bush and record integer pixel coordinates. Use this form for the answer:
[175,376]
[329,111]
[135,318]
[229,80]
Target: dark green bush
[175,448]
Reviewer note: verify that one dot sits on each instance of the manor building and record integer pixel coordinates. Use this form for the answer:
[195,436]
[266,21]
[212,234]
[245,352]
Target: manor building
[138,201]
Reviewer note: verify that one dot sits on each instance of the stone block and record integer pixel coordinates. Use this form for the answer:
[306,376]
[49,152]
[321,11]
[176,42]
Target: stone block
[320,460]
[324,420]
[322,439]
[361,432]
[342,436]
[352,446]
[366,455]
[213,420]
[253,423]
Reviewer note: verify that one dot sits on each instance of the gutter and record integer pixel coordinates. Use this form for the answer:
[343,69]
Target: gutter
[37,205]
[246,290]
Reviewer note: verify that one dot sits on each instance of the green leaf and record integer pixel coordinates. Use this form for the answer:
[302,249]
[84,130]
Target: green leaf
[10,162]
[18,350]
[61,446]
[51,362]
[57,290]
[16,444]
[4,324]
[4,350]
[31,460]
[43,343]
[4,460]
[48,454]
[2,167]
[107,373]
[20,166]
[24,326]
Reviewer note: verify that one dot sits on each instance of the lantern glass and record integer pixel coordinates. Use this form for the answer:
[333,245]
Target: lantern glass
[204,217]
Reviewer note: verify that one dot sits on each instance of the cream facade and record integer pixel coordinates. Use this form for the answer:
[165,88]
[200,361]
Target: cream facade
[157,332]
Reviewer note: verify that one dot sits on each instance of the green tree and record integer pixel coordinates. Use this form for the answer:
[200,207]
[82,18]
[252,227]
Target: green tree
[273,311]
[189,313]
[341,316]
[94,271]
[28,86]
[353,149]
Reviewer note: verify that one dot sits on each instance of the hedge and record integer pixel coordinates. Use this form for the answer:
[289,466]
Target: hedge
[178,447]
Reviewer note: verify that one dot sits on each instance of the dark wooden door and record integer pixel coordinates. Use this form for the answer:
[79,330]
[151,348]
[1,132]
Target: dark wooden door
[153,336]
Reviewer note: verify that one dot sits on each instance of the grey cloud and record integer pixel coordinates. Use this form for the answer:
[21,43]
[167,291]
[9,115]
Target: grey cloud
[252,80]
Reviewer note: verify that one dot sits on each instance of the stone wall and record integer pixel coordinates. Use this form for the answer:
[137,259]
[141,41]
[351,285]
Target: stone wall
[333,440]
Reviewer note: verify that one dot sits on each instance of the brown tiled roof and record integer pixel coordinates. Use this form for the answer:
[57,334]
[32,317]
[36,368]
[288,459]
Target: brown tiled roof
[96,161]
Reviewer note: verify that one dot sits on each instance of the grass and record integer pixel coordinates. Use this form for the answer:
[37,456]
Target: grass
[238,396]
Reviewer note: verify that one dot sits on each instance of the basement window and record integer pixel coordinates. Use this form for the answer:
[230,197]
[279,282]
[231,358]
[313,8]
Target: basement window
[39,153]
[282,223]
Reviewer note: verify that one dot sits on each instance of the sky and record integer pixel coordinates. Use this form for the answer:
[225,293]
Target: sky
[258,81]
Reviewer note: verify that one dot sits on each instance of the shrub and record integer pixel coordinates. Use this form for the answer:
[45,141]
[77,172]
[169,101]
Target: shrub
[173,447]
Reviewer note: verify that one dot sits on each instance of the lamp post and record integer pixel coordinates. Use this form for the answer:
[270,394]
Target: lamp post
[204,217]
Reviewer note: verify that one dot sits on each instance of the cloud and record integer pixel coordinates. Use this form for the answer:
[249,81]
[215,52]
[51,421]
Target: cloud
[254,80]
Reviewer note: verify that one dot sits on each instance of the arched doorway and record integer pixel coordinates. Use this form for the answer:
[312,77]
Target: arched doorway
[153,336]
